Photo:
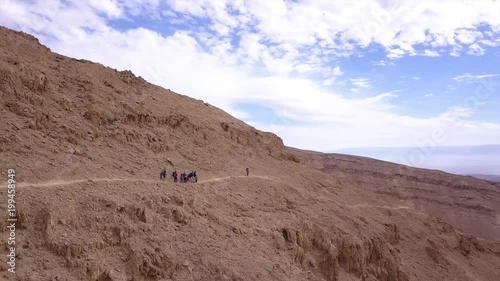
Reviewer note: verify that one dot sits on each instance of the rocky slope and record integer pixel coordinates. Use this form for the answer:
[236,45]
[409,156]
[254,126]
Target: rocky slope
[87,144]
[467,203]
[493,178]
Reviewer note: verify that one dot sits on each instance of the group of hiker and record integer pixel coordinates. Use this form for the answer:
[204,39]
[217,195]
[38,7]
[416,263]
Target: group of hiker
[183,177]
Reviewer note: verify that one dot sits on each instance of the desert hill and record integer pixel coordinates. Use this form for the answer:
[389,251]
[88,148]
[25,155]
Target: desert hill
[465,202]
[87,143]
[494,178]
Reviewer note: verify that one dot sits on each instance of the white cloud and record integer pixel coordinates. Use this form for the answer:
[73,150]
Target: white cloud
[108,7]
[395,53]
[383,63]
[468,36]
[467,77]
[380,101]
[491,43]
[416,78]
[361,82]
[336,71]
[397,26]
[475,50]
[428,95]
[486,76]
[331,76]
[251,47]
[429,53]
[393,131]
[457,49]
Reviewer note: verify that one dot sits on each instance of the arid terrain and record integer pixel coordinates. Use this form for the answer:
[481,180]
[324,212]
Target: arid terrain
[88,142]
[493,178]
[467,203]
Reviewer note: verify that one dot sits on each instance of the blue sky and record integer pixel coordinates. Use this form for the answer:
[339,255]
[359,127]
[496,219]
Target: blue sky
[323,75]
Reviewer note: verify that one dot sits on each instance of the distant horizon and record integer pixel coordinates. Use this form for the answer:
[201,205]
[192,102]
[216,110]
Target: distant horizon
[462,160]
[405,147]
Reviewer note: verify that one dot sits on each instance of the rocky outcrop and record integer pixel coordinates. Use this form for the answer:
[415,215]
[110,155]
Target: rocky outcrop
[367,258]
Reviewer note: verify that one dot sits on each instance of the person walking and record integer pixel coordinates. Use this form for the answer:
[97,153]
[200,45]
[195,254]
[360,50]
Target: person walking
[163,174]
[174,175]
[248,171]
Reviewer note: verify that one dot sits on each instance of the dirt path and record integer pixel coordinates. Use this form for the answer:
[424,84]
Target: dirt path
[70,182]
[215,179]
[388,207]
[398,207]
[229,177]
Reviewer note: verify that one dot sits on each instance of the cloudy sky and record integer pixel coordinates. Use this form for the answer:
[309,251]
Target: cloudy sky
[322,74]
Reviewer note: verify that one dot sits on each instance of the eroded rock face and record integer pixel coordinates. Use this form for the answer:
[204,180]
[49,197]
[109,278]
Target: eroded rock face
[368,259]
[464,202]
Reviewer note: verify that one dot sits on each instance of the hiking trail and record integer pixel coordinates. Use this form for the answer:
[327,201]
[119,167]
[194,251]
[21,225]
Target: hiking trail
[75,181]
[216,179]
[397,207]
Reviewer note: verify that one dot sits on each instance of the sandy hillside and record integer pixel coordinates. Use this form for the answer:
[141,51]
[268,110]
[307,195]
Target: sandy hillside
[465,202]
[87,144]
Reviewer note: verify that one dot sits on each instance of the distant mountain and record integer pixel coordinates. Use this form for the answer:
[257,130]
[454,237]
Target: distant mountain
[495,178]
[466,160]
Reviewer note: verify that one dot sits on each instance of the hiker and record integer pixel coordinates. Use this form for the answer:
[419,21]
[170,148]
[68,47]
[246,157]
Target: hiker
[174,174]
[195,176]
[163,174]
[248,171]
[184,176]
